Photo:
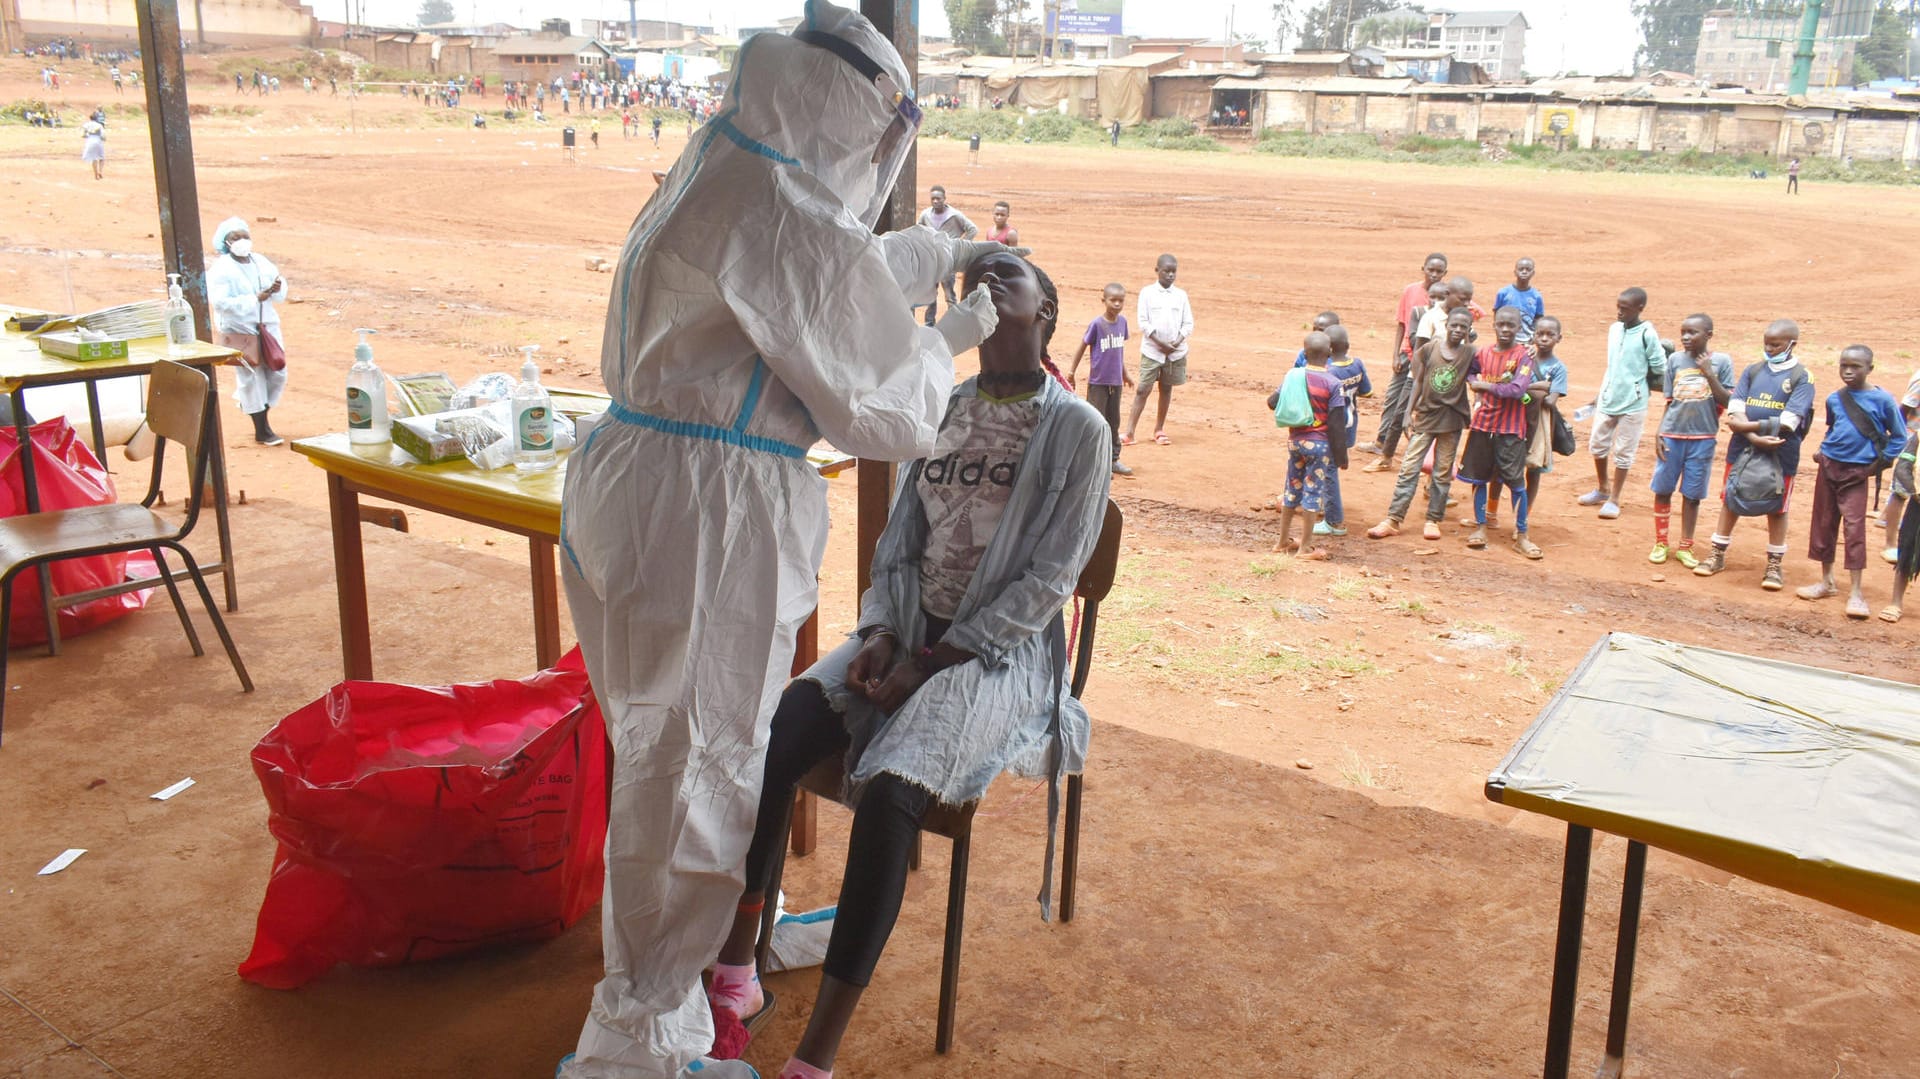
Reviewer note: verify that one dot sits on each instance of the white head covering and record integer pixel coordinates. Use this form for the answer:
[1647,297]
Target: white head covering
[227,228]
[810,104]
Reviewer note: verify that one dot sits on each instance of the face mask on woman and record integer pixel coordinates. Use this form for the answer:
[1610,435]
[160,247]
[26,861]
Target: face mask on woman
[240,248]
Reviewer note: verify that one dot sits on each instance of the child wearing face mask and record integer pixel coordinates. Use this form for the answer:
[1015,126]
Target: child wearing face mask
[1769,412]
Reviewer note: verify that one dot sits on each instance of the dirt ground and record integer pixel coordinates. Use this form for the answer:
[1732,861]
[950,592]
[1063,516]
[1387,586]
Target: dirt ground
[1370,915]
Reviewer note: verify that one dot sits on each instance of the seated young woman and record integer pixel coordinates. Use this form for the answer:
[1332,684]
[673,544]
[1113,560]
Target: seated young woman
[957,671]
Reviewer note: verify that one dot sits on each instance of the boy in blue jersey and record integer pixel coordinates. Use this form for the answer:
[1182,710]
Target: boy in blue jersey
[1769,412]
[1864,428]
[1354,384]
[1522,297]
[1698,386]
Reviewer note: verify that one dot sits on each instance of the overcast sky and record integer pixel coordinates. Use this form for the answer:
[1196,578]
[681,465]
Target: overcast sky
[1592,37]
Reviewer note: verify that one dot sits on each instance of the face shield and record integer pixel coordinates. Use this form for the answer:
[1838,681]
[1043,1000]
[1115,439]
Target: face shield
[896,142]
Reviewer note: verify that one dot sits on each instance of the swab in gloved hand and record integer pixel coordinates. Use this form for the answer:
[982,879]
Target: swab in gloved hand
[962,253]
[970,321]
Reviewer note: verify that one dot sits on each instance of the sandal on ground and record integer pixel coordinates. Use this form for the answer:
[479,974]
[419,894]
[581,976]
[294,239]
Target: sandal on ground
[1477,540]
[758,1019]
[1857,610]
[1383,530]
[1431,531]
[1890,614]
[1161,438]
[1127,440]
[1527,547]
[1891,554]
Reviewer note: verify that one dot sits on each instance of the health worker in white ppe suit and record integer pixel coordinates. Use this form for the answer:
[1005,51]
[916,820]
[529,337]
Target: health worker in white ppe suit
[753,312]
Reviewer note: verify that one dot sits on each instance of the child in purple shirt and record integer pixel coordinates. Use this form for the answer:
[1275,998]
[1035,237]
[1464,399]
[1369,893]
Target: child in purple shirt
[1107,336]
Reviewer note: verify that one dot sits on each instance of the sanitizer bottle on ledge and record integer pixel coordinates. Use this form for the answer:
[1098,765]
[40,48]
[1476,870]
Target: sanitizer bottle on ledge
[180,338]
[532,418]
[367,419]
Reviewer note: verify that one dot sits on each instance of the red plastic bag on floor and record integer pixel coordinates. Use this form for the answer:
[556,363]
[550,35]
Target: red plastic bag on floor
[417,822]
[68,476]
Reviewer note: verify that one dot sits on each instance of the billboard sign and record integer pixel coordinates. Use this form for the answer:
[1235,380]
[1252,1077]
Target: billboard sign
[1086,17]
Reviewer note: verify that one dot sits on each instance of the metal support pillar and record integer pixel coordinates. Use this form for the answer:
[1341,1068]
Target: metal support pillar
[1802,71]
[899,20]
[166,81]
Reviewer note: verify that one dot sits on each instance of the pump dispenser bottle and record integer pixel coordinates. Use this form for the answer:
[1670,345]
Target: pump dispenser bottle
[179,318]
[367,419]
[532,418]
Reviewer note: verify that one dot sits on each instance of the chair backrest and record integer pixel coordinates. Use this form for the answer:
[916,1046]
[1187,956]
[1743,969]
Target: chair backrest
[177,405]
[177,412]
[1096,579]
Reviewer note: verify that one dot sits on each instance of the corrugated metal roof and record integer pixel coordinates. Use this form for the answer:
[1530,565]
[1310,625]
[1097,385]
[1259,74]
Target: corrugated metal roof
[1483,18]
[1339,84]
[547,46]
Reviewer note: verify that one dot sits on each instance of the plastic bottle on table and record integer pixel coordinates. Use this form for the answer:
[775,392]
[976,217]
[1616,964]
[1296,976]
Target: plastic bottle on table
[532,411]
[367,419]
[180,337]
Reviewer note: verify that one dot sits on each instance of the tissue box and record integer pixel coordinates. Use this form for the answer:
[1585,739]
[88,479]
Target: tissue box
[71,346]
[429,438]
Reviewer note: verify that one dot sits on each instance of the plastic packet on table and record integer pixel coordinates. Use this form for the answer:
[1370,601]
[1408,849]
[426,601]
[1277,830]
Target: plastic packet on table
[485,390]
[478,434]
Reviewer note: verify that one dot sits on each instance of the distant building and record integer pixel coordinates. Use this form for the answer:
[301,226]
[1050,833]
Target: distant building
[1724,57]
[551,53]
[1495,40]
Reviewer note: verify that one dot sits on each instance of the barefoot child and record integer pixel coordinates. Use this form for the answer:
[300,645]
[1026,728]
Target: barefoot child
[1864,428]
[1436,411]
[1313,457]
[1769,412]
[1697,390]
[1502,374]
[1166,321]
[1107,336]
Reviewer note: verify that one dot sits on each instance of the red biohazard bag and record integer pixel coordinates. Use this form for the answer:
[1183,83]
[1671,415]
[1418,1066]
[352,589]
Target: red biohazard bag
[417,822]
[68,477]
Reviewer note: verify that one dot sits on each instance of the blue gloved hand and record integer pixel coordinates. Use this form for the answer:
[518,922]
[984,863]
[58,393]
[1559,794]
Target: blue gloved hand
[970,321]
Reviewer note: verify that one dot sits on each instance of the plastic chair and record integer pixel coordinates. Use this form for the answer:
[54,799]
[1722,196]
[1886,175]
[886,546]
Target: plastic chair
[956,822]
[177,411]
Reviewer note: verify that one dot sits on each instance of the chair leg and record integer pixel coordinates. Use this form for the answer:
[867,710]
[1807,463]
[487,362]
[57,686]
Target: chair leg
[1070,850]
[213,610]
[179,608]
[950,954]
[6,633]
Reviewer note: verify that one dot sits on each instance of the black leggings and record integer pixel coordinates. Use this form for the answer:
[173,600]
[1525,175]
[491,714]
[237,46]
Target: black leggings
[806,731]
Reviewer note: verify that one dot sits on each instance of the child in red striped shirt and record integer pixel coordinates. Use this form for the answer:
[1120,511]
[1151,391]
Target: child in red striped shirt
[1502,374]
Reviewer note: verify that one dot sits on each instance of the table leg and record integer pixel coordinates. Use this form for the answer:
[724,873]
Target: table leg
[1566,950]
[350,578]
[93,417]
[217,464]
[546,602]
[1630,889]
[802,835]
[30,486]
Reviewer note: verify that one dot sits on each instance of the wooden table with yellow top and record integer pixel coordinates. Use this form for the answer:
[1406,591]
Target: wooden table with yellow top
[24,366]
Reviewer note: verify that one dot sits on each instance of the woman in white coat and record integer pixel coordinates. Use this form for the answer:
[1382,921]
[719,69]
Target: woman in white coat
[243,290]
[753,312]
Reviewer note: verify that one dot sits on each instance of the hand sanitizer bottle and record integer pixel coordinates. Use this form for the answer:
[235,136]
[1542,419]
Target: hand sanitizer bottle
[180,338]
[367,419]
[532,412]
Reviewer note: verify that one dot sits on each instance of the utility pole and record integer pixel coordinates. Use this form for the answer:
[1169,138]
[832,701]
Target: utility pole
[1802,72]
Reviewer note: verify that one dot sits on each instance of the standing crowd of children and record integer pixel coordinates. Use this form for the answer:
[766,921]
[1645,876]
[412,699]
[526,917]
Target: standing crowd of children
[1486,413]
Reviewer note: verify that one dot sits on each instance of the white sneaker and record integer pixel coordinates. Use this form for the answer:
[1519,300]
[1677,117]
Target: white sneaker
[1593,498]
[1609,511]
